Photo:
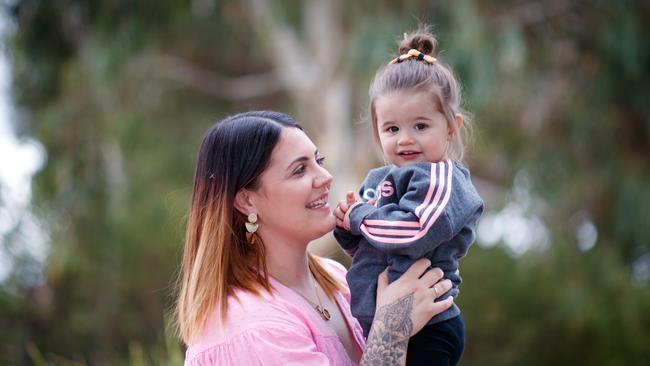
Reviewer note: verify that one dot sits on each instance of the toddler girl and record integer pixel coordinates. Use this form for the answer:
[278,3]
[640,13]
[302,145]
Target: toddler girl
[422,204]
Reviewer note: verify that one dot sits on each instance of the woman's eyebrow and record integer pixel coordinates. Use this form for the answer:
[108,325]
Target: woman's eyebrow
[301,159]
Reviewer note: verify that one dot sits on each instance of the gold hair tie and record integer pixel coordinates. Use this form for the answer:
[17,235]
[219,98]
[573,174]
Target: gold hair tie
[413,53]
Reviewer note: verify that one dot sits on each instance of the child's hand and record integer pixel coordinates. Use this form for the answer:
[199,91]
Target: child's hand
[341,212]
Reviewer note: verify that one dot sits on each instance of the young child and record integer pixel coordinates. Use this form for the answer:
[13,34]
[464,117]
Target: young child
[421,205]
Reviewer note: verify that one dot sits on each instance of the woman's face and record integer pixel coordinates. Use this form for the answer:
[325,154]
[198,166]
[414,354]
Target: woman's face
[291,202]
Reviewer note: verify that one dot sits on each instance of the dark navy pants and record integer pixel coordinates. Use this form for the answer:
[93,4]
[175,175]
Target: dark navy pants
[439,344]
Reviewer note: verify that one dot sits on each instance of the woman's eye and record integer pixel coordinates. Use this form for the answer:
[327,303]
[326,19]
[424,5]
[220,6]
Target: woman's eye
[392,129]
[320,160]
[420,126]
[299,170]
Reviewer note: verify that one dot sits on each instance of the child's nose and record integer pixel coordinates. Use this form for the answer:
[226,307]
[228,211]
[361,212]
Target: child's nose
[404,139]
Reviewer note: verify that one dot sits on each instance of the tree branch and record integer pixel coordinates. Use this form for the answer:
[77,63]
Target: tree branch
[190,75]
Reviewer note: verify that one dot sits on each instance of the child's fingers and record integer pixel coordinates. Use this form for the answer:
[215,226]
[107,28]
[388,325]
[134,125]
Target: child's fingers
[346,220]
[350,197]
[342,223]
[339,214]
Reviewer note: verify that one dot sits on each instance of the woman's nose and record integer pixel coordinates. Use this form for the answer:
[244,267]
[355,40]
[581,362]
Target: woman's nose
[323,179]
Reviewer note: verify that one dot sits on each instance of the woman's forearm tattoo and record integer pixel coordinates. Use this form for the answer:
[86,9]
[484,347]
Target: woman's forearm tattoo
[389,335]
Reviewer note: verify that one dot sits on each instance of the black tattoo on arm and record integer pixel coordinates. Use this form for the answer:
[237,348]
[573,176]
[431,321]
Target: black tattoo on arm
[389,335]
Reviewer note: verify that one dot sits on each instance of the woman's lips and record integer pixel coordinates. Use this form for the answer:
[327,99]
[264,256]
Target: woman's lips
[318,203]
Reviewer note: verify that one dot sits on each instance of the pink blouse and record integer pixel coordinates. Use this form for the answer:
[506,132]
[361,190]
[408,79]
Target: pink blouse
[280,329]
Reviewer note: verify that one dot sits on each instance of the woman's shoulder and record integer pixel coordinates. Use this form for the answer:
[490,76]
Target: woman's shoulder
[266,340]
[249,319]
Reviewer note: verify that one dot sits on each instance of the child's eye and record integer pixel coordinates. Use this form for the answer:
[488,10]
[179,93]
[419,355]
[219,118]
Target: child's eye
[420,126]
[320,160]
[392,129]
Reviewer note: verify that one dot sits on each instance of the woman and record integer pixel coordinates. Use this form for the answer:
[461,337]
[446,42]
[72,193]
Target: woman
[250,293]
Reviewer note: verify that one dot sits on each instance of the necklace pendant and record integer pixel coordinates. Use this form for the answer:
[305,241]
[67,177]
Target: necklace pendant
[324,313]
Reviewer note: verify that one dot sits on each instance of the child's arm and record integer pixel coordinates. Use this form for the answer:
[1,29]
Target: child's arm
[437,201]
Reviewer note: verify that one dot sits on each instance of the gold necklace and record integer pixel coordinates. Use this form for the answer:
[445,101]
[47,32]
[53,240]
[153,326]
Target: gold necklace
[324,313]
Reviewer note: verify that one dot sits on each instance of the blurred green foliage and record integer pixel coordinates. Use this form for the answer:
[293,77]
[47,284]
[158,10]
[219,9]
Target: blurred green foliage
[559,91]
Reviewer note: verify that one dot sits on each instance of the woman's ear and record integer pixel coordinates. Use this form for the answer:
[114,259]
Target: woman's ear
[243,202]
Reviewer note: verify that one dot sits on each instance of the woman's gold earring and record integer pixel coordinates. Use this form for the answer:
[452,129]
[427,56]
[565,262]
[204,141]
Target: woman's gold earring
[251,224]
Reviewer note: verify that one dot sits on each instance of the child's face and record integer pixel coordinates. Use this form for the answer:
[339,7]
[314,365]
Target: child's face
[411,128]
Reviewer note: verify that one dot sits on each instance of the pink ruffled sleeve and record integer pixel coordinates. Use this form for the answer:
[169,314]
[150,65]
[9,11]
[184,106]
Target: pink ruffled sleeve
[268,345]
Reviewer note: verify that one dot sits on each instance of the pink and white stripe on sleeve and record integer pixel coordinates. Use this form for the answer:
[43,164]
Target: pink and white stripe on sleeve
[435,201]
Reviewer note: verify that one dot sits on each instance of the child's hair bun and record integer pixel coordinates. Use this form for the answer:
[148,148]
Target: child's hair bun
[420,40]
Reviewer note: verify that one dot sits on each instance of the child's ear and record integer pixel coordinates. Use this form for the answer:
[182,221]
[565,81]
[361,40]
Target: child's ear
[244,202]
[458,119]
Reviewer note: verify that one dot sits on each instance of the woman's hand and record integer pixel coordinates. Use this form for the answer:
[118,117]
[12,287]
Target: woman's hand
[417,290]
[403,308]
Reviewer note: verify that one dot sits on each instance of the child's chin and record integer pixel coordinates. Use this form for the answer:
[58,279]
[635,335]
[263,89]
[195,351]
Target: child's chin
[409,162]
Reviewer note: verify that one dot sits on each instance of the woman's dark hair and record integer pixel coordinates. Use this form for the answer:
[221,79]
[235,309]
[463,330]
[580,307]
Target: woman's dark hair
[237,150]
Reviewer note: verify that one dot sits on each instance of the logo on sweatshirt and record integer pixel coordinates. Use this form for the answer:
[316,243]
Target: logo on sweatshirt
[370,195]
[386,188]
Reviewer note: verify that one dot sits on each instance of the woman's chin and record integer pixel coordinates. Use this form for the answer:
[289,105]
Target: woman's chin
[326,225]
